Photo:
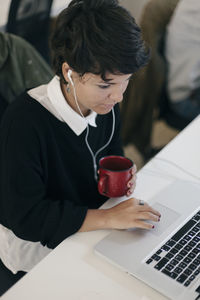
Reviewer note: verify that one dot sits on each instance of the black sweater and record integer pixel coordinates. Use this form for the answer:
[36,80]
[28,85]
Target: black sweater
[46,171]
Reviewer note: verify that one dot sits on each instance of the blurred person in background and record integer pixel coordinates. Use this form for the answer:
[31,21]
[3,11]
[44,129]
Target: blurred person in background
[21,68]
[182,51]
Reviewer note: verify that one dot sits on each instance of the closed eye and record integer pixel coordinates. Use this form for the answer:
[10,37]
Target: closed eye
[111,83]
[103,86]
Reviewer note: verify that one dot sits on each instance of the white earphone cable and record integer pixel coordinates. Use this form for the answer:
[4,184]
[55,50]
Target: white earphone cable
[94,156]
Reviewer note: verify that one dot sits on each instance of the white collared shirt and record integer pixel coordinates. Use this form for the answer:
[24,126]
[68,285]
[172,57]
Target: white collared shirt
[18,254]
[51,97]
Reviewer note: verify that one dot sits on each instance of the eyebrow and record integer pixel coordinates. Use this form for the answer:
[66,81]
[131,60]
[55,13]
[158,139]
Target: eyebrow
[107,80]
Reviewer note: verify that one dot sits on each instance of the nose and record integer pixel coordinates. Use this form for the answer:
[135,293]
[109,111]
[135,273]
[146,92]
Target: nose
[117,94]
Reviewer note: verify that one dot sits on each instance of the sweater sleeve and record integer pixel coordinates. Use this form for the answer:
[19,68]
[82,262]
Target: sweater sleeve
[25,207]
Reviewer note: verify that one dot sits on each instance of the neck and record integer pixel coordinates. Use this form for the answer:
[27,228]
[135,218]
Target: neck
[69,97]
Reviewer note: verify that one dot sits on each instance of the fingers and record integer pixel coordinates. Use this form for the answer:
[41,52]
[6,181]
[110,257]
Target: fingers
[143,225]
[143,213]
[148,216]
[132,181]
[131,185]
[146,207]
[130,191]
[129,214]
[134,169]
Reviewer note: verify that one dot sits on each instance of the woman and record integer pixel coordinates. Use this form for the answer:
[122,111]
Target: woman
[53,136]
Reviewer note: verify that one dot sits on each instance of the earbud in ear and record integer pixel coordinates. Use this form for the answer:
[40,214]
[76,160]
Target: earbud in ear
[69,72]
[69,76]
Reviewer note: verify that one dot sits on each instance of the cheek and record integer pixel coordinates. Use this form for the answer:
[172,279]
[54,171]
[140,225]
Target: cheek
[84,95]
[98,96]
[89,98]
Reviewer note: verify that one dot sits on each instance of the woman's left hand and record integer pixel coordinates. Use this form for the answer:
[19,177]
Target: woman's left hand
[132,182]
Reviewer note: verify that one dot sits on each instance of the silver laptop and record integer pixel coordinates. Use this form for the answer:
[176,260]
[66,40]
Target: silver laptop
[166,258]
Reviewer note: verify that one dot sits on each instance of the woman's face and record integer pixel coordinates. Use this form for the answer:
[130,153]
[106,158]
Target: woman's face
[95,94]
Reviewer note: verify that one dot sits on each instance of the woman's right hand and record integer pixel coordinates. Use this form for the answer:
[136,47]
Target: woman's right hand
[130,213]
[127,214]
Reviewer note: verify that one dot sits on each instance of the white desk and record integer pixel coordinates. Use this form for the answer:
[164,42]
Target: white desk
[57,6]
[72,271]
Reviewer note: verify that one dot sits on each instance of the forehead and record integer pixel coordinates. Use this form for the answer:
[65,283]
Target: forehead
[110,78]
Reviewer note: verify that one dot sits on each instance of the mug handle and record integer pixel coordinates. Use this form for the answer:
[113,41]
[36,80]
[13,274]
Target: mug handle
[102,185]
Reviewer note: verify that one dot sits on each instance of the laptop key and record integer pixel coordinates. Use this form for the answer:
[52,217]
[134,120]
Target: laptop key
[156,257]
[170,243]
[196,217]
[169,267]
[191,255]
[196,251]
[198,247]
[174,262]
[161,263]
[192,233]
[192,267]
[192,244]
[195,229]
[178,257]
[173,275]
[169,255]
[178,246]
[149,261]
[187,237]
[187,260]
[182,265]
[192,277]
[178,270]
[196,272]
[187,283]
[183,252]
[196,239]
[188,272]
[183,242]
[196,261]
[173,251]
[166,248]
[187,248]
[182,278]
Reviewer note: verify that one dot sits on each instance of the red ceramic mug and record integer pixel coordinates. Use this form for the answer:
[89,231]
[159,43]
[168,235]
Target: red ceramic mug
[114,174]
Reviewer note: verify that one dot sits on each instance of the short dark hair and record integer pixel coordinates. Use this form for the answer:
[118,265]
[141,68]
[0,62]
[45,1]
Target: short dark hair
[97,36]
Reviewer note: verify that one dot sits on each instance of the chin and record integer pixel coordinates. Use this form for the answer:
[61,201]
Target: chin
[104,110]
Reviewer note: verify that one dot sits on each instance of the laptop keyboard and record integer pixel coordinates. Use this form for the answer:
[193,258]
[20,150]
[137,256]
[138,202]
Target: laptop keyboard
[179,257]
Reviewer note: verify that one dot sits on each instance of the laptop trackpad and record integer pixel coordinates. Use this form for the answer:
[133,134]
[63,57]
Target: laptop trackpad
[168,217]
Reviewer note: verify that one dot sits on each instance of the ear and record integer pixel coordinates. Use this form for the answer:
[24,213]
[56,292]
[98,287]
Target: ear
[65,69]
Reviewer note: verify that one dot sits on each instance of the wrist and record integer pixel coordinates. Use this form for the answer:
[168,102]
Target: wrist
[96,219]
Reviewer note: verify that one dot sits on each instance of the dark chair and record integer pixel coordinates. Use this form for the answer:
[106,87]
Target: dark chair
[21,68]
[30,20]
[3,106]
[146,99]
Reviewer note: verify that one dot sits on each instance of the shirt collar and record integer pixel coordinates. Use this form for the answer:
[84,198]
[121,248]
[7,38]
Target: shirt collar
[76,122]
